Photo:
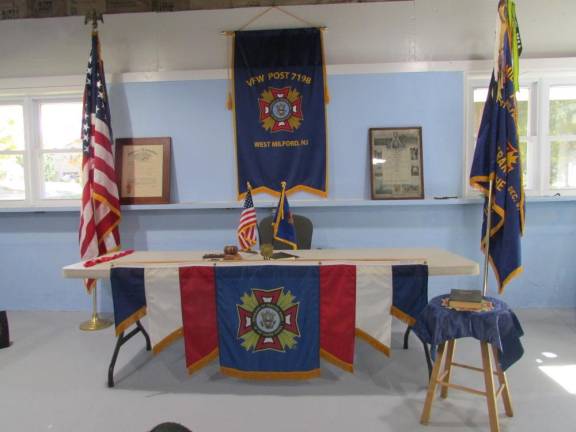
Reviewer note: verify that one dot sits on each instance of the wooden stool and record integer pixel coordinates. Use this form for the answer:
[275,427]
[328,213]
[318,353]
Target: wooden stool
[443,380]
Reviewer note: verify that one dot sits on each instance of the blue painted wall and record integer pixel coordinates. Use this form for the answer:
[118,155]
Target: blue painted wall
[34,247]
[193,114]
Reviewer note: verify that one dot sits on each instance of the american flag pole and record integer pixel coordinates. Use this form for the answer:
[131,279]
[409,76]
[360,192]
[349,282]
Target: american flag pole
[100,205]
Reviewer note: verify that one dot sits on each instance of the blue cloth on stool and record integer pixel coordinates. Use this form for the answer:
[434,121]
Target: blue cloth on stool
[500,327]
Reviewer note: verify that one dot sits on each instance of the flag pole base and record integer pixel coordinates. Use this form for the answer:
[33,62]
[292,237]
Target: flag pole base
[95,323]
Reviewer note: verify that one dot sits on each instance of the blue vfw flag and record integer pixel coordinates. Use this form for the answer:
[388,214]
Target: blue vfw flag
[280,119]
[268,321]
[497,159]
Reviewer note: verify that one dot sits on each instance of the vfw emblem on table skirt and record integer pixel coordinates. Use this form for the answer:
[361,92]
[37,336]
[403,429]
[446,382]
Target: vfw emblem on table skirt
[280,109]
[268,320]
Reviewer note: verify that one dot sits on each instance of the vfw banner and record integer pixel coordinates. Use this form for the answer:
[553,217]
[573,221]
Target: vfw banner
[280,120]
[269,321]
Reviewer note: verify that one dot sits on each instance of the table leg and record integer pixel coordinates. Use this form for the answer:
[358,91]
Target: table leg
[489,381]
[145,333]
[448,367]
[432,385]
[428,359]
[406,334]
[121,340]
[504,384]
[426,350]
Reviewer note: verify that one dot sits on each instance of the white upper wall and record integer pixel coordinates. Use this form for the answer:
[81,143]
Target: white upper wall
[359,33]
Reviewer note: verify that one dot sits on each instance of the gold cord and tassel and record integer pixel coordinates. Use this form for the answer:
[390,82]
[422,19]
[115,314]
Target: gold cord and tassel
[230,71]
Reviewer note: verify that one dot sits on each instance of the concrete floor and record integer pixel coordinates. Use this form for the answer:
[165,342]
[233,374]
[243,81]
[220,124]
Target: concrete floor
[53,378]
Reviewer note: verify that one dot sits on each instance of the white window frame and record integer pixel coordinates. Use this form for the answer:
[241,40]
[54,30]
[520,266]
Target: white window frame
[25,152]
[538,163]
[31,99]
[545,137]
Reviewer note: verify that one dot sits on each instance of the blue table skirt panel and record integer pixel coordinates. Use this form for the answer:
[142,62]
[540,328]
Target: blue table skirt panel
[500,327]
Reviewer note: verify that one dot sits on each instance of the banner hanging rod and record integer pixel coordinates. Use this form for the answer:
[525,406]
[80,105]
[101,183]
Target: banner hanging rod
[264,12]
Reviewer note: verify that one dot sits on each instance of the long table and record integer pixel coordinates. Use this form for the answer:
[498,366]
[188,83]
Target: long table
[439,262]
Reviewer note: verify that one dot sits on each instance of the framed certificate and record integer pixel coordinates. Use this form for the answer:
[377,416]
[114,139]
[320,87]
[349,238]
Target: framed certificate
[396,170]
[143,169]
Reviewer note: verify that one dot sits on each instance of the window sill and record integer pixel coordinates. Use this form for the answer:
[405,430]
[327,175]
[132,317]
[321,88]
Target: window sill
[228,205]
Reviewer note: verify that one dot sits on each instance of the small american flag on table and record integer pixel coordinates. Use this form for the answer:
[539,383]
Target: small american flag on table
[247,227]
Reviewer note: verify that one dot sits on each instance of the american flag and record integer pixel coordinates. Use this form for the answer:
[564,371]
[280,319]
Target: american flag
[100,207]
[247,228]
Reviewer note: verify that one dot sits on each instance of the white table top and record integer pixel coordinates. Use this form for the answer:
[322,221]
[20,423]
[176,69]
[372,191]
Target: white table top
[440,262]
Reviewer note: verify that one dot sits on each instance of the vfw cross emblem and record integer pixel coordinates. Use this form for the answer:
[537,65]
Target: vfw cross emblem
[280,109]
[268,320]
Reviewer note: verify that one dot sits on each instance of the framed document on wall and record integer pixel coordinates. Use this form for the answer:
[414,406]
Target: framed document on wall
[143,170]
[396,170]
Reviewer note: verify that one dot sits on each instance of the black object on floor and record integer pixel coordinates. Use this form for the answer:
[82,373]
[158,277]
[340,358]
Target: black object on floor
[4,333]
[170,427]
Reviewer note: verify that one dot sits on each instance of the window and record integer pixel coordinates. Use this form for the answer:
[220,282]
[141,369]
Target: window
[546,131]
[61,149]
[12,181]
[40,151]
[562,136]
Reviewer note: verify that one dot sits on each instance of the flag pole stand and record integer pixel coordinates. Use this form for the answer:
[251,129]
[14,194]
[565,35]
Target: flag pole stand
[96,322]
[487,236]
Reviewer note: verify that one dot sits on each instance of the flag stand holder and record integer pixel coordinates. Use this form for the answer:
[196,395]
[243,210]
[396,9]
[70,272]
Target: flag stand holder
[487,235]
[96,322]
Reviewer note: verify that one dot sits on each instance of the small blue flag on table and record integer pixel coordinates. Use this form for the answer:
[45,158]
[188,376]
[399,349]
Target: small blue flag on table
[283,228]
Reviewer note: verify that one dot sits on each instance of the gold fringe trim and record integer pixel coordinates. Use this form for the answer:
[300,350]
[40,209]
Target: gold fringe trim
[113,209]
[168,340]
[475,182]
[511,276]
[297,188]
[502,283]
[130,320]
[376,344]
[314,373]
[402,316]
[330,358]
[203,361]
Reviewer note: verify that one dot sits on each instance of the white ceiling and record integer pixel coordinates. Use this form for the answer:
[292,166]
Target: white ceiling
[422,30]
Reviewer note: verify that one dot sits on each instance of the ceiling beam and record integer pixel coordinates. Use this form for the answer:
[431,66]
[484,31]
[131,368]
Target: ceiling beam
[14,9]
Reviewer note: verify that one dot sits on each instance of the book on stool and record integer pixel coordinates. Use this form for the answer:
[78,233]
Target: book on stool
[465,299]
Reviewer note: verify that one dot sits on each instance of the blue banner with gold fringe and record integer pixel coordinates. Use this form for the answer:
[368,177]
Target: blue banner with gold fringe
[497,160]
[279,97]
